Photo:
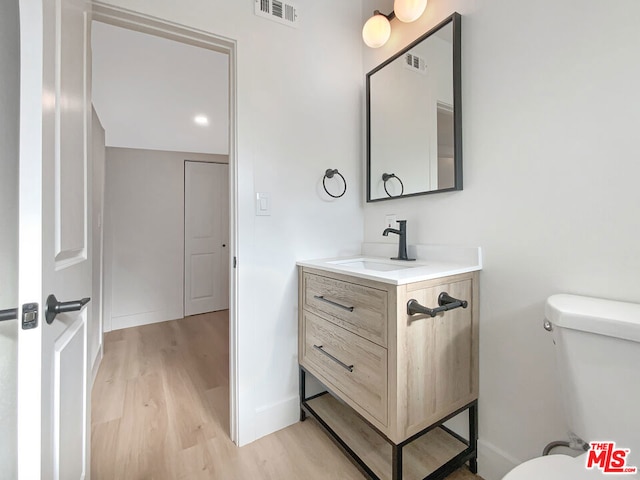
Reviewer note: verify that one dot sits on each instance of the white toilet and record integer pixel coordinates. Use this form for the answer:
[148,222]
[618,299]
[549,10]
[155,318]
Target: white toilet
[597,345]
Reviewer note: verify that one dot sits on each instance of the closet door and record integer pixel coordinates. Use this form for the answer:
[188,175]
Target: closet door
[206,237]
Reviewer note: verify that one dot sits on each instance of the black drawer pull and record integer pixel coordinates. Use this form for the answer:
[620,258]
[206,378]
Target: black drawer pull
[335,304]
[445,302]
[342,364]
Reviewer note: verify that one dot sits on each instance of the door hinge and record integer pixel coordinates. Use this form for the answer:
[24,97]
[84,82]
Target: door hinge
[235,262]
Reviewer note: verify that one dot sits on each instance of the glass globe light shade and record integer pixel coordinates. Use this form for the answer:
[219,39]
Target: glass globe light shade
[376,31]
[409,10]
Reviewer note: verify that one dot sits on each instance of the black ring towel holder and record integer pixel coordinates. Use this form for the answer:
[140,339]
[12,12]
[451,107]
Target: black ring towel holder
[329,174]
[389,176]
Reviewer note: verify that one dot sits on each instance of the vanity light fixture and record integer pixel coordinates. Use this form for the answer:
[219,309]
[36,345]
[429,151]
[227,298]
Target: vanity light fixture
[377,29]
[408,11]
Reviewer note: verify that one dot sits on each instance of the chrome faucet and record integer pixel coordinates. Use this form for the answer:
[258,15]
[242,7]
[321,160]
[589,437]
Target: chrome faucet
[402,242]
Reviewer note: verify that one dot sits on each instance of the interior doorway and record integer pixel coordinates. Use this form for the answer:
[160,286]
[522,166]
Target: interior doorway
[138,23]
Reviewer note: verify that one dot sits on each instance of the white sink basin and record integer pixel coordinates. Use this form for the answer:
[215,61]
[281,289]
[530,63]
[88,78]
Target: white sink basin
[376,264]
[434,261]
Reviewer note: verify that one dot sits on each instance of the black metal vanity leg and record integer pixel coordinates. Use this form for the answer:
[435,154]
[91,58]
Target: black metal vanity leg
[396,462]
[473,436]
[302,387]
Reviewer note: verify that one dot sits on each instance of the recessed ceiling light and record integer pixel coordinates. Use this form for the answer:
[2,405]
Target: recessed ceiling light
[201,120]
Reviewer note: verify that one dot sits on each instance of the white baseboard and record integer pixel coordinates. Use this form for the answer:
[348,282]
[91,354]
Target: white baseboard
[494,463]
[137,320]
[277,416]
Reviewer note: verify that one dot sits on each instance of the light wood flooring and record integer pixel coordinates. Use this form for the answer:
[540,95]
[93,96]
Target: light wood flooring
[160,411]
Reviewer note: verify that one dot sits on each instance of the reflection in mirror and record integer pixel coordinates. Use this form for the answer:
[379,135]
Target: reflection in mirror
[413,118]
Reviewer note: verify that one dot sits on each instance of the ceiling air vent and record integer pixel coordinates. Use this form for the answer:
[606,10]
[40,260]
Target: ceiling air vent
[278,11]
[415,63]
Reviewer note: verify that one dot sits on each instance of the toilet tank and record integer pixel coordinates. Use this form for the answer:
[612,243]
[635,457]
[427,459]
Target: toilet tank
[597,344]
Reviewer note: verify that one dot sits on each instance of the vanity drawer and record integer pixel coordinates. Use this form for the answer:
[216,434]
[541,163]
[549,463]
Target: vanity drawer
[357,308]
[355,367]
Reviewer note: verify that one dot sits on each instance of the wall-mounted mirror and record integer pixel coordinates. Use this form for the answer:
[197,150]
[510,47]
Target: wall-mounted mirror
[414,124]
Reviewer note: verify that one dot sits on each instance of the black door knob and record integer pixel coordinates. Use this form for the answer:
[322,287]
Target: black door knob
[55,307]
[9,314]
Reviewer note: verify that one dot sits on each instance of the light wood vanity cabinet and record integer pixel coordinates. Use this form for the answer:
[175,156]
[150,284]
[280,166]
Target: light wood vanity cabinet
[362,378]
[401,373]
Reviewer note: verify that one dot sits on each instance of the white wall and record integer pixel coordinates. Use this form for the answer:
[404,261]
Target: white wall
[551,108]
[144,235]
[9,116]
[97,204]
[299,113]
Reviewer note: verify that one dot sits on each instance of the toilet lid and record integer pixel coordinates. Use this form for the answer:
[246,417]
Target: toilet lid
[558,467]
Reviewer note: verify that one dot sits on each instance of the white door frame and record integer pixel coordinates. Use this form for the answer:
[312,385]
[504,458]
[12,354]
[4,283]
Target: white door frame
[191,36]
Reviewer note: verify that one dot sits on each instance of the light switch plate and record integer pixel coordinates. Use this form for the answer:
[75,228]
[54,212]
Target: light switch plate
[263,204]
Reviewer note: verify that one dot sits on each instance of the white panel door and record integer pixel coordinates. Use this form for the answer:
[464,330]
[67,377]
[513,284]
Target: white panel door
[206,237]
[55,251]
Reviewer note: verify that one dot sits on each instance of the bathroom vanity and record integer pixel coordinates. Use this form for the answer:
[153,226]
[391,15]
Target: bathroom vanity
[393,376]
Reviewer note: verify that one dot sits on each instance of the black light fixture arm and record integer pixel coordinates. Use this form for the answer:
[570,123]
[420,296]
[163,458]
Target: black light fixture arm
[389,17]
[445,302]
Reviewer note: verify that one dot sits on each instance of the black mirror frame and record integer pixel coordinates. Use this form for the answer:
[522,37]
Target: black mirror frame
[456,20]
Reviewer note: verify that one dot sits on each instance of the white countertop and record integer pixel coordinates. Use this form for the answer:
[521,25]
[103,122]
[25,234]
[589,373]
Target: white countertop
[433,261]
